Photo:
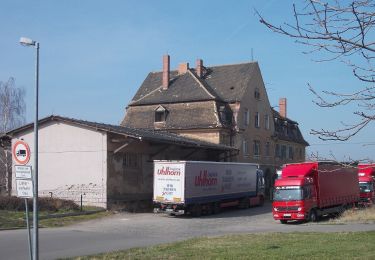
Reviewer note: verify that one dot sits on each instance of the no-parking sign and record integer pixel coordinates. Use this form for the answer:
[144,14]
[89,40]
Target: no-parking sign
[21,152]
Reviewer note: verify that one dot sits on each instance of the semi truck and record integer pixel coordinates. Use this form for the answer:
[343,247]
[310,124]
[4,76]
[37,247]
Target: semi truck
[202,187]
[306,191]
[366,178]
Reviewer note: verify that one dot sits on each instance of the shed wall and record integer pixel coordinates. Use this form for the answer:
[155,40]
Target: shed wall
[72,162]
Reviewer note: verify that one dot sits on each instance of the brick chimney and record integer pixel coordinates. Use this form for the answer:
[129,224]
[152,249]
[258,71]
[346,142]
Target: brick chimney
[199,67]
[282,107]
[166,69]
[183,68]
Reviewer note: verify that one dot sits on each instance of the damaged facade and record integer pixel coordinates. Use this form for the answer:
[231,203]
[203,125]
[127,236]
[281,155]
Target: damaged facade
[225,105]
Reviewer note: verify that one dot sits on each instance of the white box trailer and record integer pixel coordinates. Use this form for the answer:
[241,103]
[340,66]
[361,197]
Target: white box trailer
[197,187]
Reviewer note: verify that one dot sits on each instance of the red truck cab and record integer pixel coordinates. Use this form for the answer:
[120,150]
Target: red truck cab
[309,190]
[366,178]
[294,194]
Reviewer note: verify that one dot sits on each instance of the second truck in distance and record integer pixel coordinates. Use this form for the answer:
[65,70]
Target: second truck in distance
[366,177]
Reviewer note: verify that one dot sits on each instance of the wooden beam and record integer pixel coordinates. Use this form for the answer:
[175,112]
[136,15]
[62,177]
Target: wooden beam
[122,147]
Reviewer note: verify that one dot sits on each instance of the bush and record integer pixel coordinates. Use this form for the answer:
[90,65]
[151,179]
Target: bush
[45,204]
[12,203]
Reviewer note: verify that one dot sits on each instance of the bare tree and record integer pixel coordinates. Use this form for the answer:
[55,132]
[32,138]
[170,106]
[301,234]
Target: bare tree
[12,114]
[344,31]
[5,165]
[12,105]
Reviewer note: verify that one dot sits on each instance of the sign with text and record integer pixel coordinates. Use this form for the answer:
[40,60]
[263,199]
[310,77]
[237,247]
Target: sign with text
[24,188]
[23,172]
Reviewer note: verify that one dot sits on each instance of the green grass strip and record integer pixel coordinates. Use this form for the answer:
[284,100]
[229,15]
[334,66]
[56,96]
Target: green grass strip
[353,245]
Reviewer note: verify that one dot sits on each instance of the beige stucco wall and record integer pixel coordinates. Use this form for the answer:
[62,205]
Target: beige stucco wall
[72,161]
[250,132]
[204,135]
[299,153]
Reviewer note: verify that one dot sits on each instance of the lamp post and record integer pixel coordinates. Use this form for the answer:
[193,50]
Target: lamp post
[28,42]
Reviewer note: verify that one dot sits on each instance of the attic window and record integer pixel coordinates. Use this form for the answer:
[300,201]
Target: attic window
[160,114]
[256,94]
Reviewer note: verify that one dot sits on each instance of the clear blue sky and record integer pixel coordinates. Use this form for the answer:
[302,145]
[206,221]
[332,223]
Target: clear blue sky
[95,54]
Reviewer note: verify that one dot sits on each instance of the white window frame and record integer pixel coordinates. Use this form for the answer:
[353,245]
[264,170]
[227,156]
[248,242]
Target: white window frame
[267,122]
[246,117]
[256,148]
[284,151]
[267,149]
[160,112]
[257,120]
[245,148]
[290,153]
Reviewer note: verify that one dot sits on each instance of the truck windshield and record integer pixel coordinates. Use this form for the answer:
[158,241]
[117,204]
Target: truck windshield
[287,193]
[366,187]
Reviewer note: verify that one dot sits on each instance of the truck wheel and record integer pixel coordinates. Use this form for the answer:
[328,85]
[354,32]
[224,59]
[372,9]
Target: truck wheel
[244,203]
[282,221]
[217,208]
[341,211]
[209,209]
[196,210]
[261,201]
[313,217]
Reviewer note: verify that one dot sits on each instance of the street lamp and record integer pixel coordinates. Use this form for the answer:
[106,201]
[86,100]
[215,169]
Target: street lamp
[28,42]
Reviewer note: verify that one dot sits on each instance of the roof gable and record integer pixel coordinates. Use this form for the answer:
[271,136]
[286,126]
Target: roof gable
[185,87]
[226,83]
[231,81]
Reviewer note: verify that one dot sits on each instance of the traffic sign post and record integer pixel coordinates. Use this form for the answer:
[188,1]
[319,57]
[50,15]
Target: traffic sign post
[21,152]
[24,183]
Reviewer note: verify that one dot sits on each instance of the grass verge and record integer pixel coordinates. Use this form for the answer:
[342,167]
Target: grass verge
[358,245]
[365,215]
[16,219]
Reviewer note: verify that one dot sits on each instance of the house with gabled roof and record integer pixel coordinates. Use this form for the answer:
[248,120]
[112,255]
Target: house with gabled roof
[225,104]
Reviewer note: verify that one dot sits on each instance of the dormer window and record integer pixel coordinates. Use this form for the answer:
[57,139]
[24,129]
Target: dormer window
[160,114]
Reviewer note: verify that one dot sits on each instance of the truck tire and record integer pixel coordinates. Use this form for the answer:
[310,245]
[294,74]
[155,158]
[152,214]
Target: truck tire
[261,201]
[244,203]
[341,211]
[313,216]
[217,208]
[209,209]
[196,210]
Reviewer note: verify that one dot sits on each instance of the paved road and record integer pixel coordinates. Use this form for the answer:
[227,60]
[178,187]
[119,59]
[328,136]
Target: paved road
[126,230]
